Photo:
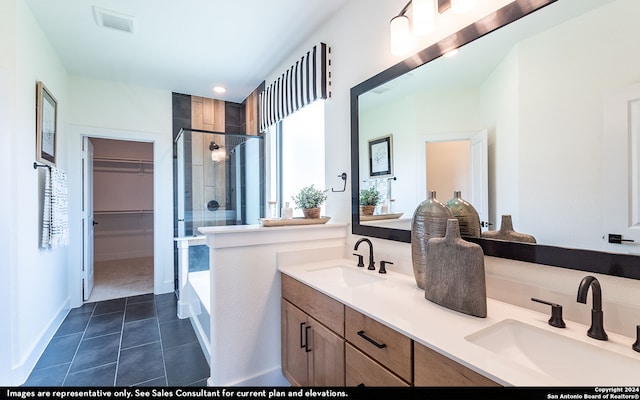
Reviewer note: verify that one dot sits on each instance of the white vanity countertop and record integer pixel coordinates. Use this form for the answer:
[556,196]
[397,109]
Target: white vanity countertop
[397,302]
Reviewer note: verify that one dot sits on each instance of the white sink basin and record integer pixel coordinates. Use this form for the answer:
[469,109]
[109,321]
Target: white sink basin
[346,276]
[569,361]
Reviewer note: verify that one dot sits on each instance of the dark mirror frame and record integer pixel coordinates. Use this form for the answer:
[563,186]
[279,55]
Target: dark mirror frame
[615,264]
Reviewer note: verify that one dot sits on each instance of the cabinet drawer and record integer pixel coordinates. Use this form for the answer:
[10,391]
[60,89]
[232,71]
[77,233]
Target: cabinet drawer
[385,345]
[321,307]
[362,370]
[434,369]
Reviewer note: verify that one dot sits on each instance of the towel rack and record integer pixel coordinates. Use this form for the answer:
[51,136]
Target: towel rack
[36,166]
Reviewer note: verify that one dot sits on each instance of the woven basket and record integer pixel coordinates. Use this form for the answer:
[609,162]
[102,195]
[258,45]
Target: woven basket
[311,212]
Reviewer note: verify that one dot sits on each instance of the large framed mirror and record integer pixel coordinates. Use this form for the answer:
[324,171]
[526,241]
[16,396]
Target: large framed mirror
[553,84]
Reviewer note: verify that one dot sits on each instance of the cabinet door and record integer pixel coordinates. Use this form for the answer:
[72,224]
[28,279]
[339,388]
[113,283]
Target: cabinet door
[294,357]
[434,369]
[326,356]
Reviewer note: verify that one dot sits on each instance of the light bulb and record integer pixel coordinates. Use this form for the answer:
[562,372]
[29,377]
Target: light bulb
[400,35]
[423,16]
[462,6]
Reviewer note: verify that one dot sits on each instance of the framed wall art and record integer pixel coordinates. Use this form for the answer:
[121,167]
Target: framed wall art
[381,156]
[46,125]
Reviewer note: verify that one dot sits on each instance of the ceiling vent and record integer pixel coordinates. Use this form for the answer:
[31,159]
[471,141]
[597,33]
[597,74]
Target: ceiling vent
[114,20]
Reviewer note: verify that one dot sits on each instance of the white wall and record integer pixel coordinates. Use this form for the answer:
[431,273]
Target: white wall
[588,57]
[7,244]
[118,111]
[32,319]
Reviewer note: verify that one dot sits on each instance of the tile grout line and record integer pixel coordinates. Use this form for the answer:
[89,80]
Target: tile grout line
[164,362]
[84,332]
[124,317]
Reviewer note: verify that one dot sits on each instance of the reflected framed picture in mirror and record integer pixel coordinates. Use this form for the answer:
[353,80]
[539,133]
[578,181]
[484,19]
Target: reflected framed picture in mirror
[381,156]
[46,125]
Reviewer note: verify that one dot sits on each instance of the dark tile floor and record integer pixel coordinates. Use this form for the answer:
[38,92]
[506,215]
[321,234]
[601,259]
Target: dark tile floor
[133,341]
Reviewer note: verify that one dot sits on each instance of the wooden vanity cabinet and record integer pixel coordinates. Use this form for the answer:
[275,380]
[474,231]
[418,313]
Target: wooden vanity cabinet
[376,355]
[312,353]
[325,343]
[434,369]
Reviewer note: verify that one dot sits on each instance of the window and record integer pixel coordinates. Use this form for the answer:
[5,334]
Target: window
[296,154]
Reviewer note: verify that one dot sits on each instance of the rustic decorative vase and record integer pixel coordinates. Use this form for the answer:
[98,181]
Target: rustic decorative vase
[429,221]
[506,232]
[311,212]
[466,214]
[455,276]
[368,210]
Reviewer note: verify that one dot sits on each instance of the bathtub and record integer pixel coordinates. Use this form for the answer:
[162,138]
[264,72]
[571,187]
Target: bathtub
[194,289]
[198,285]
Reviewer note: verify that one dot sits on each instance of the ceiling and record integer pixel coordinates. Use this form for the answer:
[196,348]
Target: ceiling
[185,46]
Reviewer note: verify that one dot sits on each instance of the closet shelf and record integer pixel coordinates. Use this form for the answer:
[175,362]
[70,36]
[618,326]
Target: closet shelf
[123,165]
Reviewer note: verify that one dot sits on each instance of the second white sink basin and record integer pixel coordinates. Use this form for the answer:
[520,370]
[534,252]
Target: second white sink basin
[569,361]
[346,276]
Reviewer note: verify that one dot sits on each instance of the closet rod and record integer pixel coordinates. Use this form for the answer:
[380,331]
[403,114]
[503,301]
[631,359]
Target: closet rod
[115,212]
[123,160]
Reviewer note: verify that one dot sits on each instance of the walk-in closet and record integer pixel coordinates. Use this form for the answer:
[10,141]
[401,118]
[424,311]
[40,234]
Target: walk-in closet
[123,218]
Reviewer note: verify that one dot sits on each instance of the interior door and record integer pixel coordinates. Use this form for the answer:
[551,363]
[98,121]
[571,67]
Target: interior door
[478,173]
[621,168]
[88,222]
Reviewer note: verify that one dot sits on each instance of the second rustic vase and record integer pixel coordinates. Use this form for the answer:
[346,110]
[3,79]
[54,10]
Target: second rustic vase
[429,221]
[466,215]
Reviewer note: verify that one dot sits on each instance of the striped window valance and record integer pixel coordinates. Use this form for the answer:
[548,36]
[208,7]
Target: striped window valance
[305,82]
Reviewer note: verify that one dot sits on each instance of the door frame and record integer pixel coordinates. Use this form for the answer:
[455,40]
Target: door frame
[162,204]
[88,222]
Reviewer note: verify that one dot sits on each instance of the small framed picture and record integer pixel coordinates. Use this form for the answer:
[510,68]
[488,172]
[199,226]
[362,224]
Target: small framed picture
[46,125]
[381,156]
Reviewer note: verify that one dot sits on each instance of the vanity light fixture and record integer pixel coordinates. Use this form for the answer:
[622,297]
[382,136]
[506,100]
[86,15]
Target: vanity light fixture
[462,6]
[422,21]
[400,35]
[217,152]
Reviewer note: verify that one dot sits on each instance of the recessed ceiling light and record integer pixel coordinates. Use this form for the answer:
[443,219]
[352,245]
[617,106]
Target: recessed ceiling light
[219,89]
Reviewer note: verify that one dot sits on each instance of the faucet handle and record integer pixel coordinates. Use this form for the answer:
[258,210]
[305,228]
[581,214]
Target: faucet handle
[383,264]
[556,313]
[360,260]
[636,345]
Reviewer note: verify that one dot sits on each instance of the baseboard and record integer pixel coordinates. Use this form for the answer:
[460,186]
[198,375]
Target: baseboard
[272,377]
[20,373]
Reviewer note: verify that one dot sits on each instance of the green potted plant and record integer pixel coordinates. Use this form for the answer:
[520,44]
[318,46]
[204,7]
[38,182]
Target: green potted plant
[369,199]
[309,200]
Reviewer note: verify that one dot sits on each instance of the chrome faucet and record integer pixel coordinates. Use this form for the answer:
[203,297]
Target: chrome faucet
[372,264]
[596,330]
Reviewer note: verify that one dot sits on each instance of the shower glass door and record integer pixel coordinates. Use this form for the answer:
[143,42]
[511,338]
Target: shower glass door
[220,180]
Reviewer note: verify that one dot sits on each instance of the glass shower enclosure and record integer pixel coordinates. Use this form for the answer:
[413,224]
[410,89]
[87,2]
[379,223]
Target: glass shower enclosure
[220,180]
